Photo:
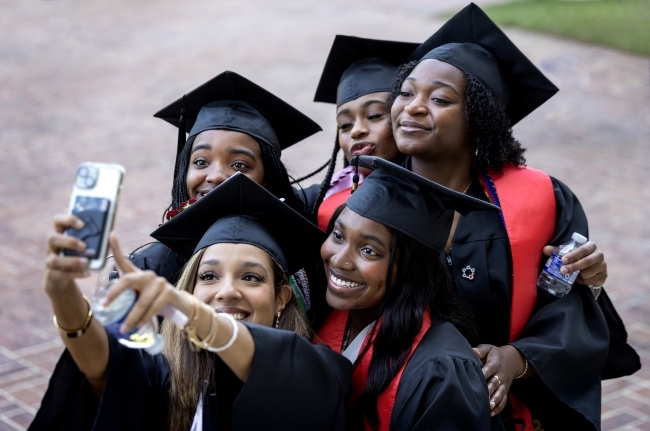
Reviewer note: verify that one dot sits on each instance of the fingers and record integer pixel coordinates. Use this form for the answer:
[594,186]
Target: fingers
[125,265]
[64,221]
[583,257]
[482,350]
[594,275]
[499,400]
[547,250]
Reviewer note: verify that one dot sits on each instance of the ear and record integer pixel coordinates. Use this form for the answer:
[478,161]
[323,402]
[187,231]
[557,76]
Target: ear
[284,296]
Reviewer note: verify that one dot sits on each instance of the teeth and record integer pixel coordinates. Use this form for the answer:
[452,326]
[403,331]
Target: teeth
[238,316]
[343,283]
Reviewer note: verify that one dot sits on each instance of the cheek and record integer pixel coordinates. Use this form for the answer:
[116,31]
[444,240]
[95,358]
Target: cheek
[386,146]
[262,299]
[192,180]
[346,143]
[257,174]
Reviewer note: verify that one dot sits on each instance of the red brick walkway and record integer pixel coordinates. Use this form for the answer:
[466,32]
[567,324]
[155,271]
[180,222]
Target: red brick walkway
[79,80]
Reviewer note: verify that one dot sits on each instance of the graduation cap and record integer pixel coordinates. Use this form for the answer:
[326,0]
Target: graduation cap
[356,67]
[231,102]
[241,211]
[474,44]
[409,203]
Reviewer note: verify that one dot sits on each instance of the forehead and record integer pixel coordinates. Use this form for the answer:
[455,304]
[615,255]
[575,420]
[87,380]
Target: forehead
[226,137]
[366,99]
[234,254]
[357,225]
[429,71]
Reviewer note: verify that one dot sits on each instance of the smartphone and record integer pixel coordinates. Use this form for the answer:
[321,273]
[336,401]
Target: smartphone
[94,198]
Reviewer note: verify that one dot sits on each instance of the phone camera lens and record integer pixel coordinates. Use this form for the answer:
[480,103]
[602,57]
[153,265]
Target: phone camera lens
[90,182]
[83,172]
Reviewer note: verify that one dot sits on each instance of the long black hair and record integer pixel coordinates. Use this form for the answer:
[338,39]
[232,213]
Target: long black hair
[419,283]
[275,175]
[493,144]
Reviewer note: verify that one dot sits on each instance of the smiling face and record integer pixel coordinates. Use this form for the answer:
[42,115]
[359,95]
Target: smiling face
[428,115]
[218,154]
[363,127]
[356,256]
[239,279]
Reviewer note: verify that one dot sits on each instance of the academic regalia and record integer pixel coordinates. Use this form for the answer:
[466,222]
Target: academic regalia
[495,260]
[441,385]
[230,102]
[355,67]
[292,385]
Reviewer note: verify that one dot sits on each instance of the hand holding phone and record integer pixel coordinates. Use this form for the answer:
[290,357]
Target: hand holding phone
[94,200]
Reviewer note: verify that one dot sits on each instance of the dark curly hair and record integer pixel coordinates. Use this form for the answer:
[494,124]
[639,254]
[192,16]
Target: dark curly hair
[493,144]
[275,174]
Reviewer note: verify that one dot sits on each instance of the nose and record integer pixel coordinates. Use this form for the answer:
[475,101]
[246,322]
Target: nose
[359,130]
[342,259]
[227,292]
[216,175]
[416,107]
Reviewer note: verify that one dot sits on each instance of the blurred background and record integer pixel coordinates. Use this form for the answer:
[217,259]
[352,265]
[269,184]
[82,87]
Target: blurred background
[80,80]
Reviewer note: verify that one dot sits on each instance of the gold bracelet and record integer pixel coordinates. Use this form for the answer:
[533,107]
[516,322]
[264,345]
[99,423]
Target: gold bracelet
[525,370]
[214,325]
[74,333]
[193,318]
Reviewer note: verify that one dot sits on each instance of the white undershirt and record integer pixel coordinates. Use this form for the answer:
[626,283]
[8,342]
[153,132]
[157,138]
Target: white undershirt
[353,349]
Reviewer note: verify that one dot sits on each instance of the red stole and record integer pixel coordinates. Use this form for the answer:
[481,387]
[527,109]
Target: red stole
[332,334]
[329,205]
[527,202]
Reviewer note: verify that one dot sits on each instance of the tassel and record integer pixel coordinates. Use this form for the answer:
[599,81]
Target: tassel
[181,136]
[355,178]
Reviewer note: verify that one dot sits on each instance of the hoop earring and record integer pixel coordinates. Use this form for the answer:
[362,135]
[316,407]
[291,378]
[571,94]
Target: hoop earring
[277,320]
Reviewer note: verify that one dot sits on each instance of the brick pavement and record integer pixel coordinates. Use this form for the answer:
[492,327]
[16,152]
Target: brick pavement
[79,80]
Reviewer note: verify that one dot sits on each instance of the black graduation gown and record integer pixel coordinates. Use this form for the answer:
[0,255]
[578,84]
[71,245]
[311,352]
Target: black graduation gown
[566,341]
[292,385]
[442,387]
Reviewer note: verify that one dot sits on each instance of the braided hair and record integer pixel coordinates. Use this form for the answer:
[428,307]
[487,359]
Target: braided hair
[325,184]
[493,144]
[275,174]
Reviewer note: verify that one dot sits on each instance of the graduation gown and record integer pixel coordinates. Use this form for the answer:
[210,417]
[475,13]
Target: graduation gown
[292,385]
[566,339]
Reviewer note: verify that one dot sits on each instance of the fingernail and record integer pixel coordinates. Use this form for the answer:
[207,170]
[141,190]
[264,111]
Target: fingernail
[564,271]
[78,224]
[124,329]
[104,302]
[83,261]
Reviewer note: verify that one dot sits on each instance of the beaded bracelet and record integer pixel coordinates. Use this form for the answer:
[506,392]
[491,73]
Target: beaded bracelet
[235,331]
[74,333]
[525,370]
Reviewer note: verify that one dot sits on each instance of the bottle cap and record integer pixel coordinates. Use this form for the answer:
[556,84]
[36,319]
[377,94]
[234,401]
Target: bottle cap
[578,238]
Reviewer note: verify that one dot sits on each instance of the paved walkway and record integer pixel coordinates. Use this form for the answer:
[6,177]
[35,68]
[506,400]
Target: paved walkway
[79,80]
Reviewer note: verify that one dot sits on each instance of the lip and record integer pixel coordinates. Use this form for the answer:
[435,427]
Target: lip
[233,311]
[413,127]
[201,193]
[363,148]
[343,290]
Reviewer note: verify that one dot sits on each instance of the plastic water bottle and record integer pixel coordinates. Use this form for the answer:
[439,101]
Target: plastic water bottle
[113,315]
[551,279]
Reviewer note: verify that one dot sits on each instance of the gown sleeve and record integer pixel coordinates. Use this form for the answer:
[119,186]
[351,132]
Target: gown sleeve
[292,385]
[159,259]
[566,342]
[133,398]
[443,387]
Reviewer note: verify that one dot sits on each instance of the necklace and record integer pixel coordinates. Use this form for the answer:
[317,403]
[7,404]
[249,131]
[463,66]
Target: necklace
[467,188]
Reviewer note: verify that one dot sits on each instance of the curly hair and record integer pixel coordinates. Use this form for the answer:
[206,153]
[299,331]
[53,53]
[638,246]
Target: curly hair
[275,174]
[493,144]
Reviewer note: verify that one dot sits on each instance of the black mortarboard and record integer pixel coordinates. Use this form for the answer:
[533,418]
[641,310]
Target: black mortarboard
[231,102]
[241,211]
[474,44]
[356,67]
[409,203]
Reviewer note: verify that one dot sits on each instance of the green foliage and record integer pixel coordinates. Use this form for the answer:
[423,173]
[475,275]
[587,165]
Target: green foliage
[622,24]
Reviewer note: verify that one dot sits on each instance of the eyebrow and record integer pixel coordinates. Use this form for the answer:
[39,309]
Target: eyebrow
[341,112]
[437,82]
[371,102]
[364,236]
[201,147]
[373,238]
[242,151]
[211,262]
[249,264]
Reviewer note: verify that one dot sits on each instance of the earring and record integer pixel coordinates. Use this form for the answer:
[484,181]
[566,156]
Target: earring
[478,143]
[277,319]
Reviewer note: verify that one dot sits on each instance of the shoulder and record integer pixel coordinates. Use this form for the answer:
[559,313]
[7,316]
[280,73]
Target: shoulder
[158,258]
[443,340]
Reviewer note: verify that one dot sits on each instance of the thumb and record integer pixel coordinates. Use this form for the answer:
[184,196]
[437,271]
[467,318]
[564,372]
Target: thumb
[122,262]
[482,350]
[547,250]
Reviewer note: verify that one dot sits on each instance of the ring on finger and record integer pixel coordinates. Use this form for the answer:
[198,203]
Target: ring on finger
[498,379]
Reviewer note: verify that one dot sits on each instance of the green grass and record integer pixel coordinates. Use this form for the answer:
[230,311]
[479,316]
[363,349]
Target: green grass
[621,24]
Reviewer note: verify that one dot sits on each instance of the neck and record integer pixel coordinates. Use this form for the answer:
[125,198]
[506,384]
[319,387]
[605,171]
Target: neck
[454,174]
[360,319]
